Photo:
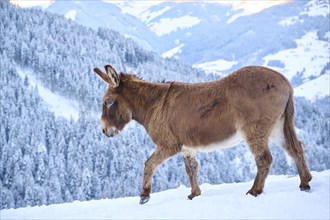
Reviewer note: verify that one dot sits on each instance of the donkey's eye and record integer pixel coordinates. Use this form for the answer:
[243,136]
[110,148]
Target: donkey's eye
[108,103]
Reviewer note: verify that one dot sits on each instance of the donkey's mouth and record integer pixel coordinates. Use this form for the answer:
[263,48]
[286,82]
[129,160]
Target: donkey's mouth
[111,133]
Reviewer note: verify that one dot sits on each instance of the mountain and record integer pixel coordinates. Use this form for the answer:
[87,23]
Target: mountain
[291,37]
[99,14]
[51,144]
[209,31]
[281,200]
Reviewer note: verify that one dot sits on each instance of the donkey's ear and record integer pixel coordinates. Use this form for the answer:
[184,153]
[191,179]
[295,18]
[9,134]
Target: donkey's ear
[103,75]
[113,76]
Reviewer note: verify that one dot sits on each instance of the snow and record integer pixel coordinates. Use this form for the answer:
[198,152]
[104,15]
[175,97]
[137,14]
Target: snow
[246,8]
[135,8]
[59,105]
[32,3]
[216,66]
[281,199]
[312,9]
[234,17]
[310,51]
[168,25]
[147,16]
[71,15]
[327,35]
[172,52]
[314,89]
[316,8]
[290,21]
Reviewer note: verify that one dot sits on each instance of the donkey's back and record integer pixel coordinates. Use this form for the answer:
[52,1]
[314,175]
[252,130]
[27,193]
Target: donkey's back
[222,112]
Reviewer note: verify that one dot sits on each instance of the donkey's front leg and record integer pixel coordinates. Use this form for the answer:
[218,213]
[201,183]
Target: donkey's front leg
[157,158]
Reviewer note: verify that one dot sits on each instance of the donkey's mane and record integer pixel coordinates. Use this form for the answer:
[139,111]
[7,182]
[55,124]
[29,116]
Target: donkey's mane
[129,76]
[133,77]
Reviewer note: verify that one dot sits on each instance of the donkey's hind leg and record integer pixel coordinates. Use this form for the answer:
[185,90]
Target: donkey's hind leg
[298,156]
[293,147]
[259,147]
[191,164]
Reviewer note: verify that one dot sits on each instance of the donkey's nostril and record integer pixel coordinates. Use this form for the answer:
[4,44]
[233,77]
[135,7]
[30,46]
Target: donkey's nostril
[103,130]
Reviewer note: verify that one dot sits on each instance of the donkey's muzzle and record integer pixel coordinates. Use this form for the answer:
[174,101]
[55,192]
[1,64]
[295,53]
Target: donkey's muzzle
[110,132]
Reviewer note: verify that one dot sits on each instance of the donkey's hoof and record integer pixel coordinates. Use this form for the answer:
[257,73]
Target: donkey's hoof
[254,192]
[305,188]
[144,199]
[191,196]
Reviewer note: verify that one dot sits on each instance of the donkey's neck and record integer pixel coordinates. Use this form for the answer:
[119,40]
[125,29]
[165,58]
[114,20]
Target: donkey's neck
[143,96]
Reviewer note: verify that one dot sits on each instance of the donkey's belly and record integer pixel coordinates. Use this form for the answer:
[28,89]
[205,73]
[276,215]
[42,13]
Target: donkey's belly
[231,141]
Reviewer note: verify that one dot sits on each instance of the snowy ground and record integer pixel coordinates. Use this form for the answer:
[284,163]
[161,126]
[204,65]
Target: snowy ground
[281,200]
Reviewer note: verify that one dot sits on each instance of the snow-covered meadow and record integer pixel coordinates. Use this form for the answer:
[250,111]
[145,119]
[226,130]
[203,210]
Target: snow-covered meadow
[282,199]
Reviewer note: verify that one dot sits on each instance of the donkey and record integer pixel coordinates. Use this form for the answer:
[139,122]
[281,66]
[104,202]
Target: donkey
[253,104]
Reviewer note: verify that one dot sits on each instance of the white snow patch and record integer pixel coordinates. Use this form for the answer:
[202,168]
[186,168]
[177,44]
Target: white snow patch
[140,41]
[216,66]
[327,35]
[172,52]
[314,89]
[308,57]
[71,15]
[250,7]
[135,8]
[316,8]
[168,25]
[281,199]
[58,104]
[235,16]
[290,21]
[312,9]
[147,16]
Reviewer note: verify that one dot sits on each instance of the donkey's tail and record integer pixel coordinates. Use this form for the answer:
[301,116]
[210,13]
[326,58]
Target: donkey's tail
[292,144]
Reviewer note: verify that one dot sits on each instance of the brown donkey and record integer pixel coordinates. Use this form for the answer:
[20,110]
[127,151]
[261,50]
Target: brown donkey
[254,104]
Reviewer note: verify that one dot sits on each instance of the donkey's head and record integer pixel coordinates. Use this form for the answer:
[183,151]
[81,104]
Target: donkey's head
[115,111]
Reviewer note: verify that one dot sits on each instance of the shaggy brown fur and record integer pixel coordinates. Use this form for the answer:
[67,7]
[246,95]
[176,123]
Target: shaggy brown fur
[254,104]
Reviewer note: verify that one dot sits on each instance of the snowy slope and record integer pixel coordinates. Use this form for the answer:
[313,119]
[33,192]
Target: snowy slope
[59,105]
[308,58]
[281,200]
[314,89]
[307,63]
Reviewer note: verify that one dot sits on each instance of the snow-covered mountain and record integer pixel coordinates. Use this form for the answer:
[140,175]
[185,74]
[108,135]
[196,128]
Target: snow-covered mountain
[218,31]
[100,14]
[281,200]
[292,37]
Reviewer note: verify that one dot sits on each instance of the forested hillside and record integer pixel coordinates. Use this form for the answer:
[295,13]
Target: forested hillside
[47,159]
